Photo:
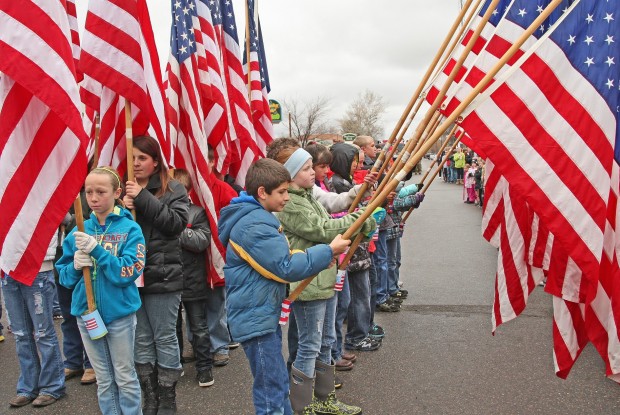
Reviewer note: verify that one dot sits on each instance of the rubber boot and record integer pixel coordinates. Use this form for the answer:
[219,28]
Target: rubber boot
[325,401]
[147,375]
[301,392]
[167,380]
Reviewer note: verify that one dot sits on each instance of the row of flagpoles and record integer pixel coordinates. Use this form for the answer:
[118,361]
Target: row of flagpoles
[208,95]
[531,86]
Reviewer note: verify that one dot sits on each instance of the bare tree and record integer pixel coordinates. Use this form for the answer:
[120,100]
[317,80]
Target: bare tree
[363,117]
[307,118]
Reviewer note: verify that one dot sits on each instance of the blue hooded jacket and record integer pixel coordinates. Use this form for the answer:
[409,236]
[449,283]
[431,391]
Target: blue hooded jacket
[119,261]
[258,265]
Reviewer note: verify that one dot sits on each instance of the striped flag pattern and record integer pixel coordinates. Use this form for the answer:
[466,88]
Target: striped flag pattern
[259,81]
[118,51]
[550,124]
[42,139]
[186,95]
[243,150]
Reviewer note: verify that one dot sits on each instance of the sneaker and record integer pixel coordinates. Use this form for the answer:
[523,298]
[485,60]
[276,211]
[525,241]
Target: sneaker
[376,332]
[365,345]
[233,345]
[205,378]
[395,300]
[400,294]
[388,307]
[220,359]
[1,337]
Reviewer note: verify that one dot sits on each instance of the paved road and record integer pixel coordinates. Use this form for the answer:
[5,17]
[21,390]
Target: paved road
[438,356]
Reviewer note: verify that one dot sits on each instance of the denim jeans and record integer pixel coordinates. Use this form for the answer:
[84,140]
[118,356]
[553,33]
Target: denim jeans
[317,334]
[55,303]
[156,337]
[380,260]
[118,389]
[1,326]
[372,284]
[358,319]
[30,310]
[393,248]
[271,385]
[72,346]
[342,307]
[201,343]
[217,320]
[292,339]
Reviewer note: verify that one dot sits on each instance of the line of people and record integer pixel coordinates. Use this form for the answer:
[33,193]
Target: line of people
[466,168]
[144,271]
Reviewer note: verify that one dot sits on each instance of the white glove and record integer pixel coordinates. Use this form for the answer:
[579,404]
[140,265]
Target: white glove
[85,242]
[81,260]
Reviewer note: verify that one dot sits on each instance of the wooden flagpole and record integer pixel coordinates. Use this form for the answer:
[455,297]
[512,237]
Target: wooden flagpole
[441,149]
[88,284]
[415,97]
[378,200]
[437,170]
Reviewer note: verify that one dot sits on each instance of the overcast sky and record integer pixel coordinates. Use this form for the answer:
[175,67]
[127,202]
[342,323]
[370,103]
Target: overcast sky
[338,48]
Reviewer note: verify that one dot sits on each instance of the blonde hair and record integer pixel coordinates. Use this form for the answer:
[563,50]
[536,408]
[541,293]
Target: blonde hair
[115,179]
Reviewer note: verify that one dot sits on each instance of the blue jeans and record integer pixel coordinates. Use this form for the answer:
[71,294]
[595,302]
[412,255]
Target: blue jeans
[72,346]
[217,320]
[118,389]
[201,343]
[1,326]
[372,284]
[156,335]
[358,319]
[270,388]
[31,312]
[292,338]
[55,303]
[317,333]
[380,261]
[393,248]
[342,307]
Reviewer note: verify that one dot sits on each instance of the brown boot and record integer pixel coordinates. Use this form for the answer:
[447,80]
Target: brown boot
[301,392]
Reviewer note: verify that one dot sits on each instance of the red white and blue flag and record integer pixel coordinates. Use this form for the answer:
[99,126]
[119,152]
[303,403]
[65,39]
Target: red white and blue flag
[42,139]
[259,81]
[188,97]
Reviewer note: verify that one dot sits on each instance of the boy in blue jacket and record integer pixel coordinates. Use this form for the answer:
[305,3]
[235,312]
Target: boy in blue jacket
[258,265]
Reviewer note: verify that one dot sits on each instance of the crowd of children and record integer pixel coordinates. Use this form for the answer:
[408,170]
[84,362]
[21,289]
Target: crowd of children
[143,250]
[465,168]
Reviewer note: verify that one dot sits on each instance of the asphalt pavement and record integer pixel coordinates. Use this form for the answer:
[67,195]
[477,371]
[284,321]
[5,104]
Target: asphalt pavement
[438,356]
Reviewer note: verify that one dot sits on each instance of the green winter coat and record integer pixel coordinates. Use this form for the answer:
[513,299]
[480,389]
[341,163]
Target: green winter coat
[459,160]
[306,223]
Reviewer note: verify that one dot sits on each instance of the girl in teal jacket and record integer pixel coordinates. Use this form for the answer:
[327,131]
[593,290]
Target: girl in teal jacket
[113,247]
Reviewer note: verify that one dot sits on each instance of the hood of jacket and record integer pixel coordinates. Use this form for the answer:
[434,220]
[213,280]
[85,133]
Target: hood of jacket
[231,214]
[116,214]
[343,155]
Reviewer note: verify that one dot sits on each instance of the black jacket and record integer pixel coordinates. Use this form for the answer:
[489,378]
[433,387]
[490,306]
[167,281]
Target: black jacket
[162,220]
[195,240]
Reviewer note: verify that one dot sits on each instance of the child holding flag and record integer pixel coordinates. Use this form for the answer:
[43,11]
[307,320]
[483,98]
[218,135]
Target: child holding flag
[113,246]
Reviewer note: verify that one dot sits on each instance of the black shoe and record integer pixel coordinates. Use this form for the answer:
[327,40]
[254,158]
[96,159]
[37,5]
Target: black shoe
[395,300]
[365,345]
[376,333]
[388,307]
[205,378]
[400,294]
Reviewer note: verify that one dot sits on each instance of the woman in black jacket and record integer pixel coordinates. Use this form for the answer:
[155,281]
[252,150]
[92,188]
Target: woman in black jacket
[161,205]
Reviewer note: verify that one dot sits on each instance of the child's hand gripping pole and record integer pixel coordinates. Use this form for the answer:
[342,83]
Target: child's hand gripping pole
[92,319]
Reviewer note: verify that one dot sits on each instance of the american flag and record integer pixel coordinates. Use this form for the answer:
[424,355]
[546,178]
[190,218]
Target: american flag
[550,125]
[118,51]
[75,35]
[42,140]
[259,81]
[186,96]
[91,324]
[243,148]
[210,66]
